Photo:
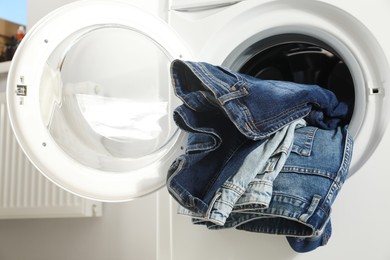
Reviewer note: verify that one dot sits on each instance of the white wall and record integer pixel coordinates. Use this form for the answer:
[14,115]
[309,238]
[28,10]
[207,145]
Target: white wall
[36,9]
[3,76]
[126,230]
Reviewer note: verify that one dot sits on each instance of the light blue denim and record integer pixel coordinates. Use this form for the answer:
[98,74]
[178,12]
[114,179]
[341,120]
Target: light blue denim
[303,193]
[264,163]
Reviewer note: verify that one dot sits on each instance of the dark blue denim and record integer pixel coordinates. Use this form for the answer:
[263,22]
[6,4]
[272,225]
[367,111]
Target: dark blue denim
[257,107]
[307,244]
[209,159]
[228,115]
[303,193]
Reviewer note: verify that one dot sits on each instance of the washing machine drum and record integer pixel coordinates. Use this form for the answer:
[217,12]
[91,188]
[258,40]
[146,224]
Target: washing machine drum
[90,100]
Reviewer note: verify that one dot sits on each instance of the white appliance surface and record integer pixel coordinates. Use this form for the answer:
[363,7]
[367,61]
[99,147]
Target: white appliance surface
[98,91]
[360,212]
[149,228]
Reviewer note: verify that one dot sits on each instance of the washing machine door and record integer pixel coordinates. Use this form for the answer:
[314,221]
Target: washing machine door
[90,99]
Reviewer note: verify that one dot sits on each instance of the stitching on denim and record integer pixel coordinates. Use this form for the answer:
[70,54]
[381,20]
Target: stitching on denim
[341,174]
[217,140]
[284,113]
[307,170]
[241,92]
[209,78]
[249,130]
[305,148]
[228,158]
[311,209]
[209,209]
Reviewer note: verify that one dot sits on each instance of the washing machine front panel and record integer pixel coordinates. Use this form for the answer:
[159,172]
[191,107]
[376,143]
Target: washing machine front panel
[243,29]
[354,30]
[90,99]
[200,5]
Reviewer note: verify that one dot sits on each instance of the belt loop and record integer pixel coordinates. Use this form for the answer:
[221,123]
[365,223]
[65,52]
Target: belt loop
[313,205]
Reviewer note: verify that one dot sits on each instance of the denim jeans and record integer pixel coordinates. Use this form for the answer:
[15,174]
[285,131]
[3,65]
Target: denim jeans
[227,116]
[257,107]
[215,151]
[264,163]
[303,193]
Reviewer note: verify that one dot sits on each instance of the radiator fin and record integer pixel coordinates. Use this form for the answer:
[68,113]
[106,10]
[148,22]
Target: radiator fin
[24,191]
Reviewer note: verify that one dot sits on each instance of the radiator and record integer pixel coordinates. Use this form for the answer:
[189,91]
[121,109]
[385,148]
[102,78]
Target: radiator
[24,192]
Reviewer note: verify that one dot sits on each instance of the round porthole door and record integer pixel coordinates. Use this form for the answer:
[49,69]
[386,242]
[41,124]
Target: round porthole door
[90,99]
[314,42]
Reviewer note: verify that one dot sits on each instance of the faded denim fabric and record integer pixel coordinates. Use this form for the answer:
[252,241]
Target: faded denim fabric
[303,193]
[265,162]
[227,116]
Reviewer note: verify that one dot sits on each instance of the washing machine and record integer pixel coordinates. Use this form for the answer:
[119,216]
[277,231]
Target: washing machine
[90,101]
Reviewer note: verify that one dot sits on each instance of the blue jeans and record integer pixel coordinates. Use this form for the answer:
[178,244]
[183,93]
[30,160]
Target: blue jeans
[215,151]
[228,115]
[264,164]
[303,192]
[257,107]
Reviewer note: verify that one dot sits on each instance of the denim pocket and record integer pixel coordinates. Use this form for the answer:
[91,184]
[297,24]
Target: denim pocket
[303,141]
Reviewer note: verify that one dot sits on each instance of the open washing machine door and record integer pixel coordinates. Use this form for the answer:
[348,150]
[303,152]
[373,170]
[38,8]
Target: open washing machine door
[90,99]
